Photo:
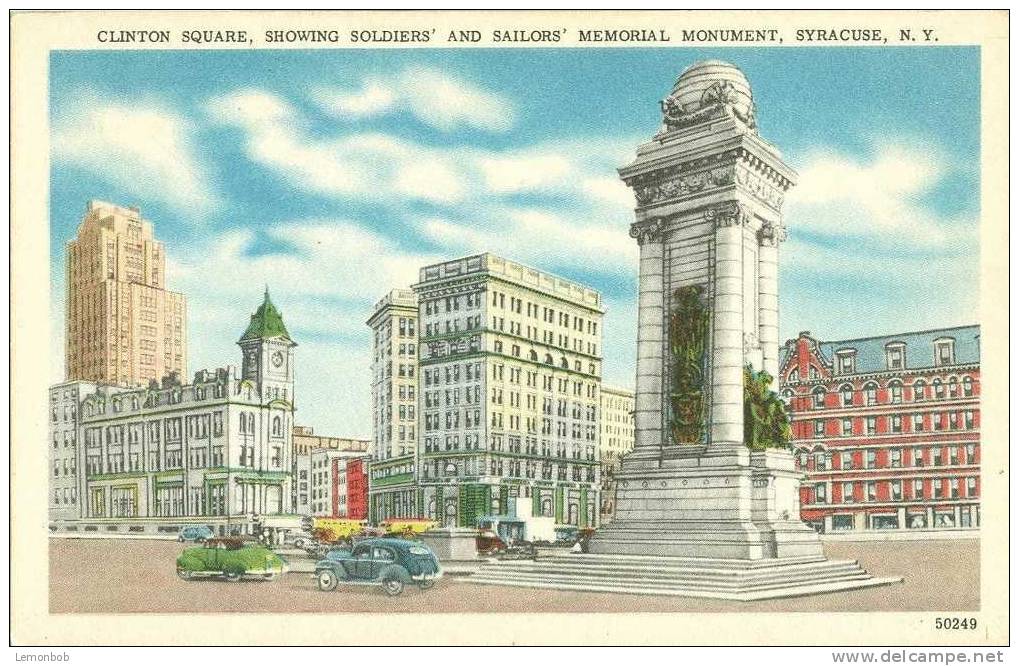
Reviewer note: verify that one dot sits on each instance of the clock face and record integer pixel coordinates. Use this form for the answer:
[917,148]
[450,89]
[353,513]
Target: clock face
[277,359]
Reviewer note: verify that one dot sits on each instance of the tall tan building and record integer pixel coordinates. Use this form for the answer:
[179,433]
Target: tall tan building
[123,327]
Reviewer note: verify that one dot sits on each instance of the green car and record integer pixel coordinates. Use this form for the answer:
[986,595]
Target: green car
[232,559]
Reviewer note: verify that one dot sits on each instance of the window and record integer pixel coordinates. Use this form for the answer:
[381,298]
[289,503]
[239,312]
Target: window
[967,386]
[944,351]
[821,493]
[971,454]
[971,486]
[895,458]
[871,491]
[896,423]
[870,393]
[847,491]
[871,459]
[846,460]
[919,389]
[895,392]
[953,387]
[917,488]
[939,389]
[895,354]
[821,461]
[917,457]
[847,395]
[818,428]
[871,425]
[917,422]
[846,360]
[819,394]
[896,490]
[847,426]
[936,456]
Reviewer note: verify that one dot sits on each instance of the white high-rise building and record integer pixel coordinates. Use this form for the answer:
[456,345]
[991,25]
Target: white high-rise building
[511,379]
[394,324]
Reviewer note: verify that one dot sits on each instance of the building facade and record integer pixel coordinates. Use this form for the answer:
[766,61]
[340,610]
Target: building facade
[509,397]
[394,324]
[616,422]
[123,327]
[353,497]
[306,441]
[215,451]
[887,429]
[67,476]
[328,473]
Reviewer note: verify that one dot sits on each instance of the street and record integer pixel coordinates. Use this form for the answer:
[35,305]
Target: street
[132,576]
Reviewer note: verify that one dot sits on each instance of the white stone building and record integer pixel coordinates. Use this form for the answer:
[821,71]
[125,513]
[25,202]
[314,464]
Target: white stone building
[511,377]
[394,324]
[616,423]
[215,451]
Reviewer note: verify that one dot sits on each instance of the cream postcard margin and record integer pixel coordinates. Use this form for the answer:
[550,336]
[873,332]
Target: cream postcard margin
[34,34]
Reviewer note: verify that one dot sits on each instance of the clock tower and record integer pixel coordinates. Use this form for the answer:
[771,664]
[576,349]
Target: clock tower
[268,353]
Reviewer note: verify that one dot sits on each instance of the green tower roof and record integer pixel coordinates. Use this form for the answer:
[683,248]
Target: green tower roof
[267,322]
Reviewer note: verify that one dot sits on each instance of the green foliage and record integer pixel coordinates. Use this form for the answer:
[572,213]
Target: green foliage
[688,334]
[765,422]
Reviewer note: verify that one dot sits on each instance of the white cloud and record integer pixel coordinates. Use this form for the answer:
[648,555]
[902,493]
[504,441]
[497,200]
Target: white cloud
[878,199]
[143,148]
[435,98]
[545,239]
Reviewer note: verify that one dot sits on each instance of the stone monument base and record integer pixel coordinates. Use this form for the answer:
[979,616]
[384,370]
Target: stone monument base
[692,502]
[698,522]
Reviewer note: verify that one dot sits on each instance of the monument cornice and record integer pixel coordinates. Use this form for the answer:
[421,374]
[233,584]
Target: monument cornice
[732,167]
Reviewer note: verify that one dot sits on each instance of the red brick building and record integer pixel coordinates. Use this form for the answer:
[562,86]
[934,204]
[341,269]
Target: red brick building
[887,429]
[357,488]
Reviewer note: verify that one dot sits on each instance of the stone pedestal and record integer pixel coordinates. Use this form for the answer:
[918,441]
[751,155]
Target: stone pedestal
[452,544]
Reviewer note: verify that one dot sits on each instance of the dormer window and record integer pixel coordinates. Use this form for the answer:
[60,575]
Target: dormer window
[944,351]
[846,359]
[895,355]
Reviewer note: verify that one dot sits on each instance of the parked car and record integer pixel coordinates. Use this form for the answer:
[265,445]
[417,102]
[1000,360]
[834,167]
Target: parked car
[197,533]
[389,563]
[299,539]
[230,558]
[489,543]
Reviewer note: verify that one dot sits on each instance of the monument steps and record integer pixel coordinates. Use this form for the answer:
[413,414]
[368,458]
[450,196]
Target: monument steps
[718,576]
[744,580]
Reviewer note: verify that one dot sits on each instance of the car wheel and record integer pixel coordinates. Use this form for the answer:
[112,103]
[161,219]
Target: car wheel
[392,586]
[427,584]
[180,539]
[327,580]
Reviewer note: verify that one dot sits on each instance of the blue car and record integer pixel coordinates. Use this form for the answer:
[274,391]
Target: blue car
[196,533]
[389,563]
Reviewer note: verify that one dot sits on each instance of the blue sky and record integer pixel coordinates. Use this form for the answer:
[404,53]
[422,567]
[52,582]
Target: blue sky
[333,175]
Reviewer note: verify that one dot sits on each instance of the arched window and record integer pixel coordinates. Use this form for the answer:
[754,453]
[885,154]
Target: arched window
[548,359]
[967,386]
[870,393]
[563,362]
[818,395]
[953,387]
[939,388]
[895,391]
[919,390]
[794,375]
[846,390]
[243,422]
[134,402]
[533,355]
[277,427]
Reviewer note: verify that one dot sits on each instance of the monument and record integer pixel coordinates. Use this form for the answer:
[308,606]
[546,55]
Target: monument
[707,502]
[709,193]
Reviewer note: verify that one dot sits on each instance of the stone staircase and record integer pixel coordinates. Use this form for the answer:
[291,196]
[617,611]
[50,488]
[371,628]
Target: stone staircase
[738,580]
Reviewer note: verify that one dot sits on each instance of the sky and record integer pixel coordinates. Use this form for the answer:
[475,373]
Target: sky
[332,176]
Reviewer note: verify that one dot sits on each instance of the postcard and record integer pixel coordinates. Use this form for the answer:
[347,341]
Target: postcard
[513,328]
